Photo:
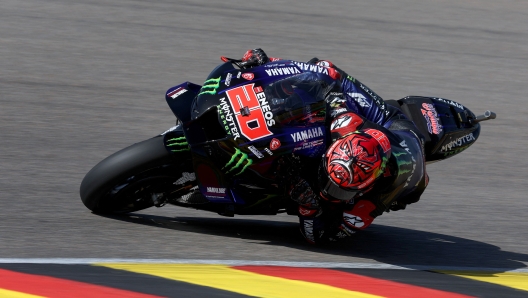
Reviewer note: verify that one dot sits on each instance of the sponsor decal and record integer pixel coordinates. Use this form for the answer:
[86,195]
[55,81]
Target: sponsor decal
[345,124]
[353,220]
[268,151]
[318,69]
[210,86]
[312,67]
[335,112]
[360,99]
[309,145]
[404,145]
[227,118]
[431,117]
[282,71]
[176,92]
[324,63]
[307,212]
[398,154]
[186,177]
[308,230]
[456,151]
[402,163]
[275,144]
[412,171]
[255,151]
[377,99]
[458,142]
[351,79]
[238,75]
[406,163]
[217,190]
[381,138]
[178,144]
[251,111]
[336,102]
[450,102]
[227,81]
[239,160]
[248,76]
[307,134]
[270,65]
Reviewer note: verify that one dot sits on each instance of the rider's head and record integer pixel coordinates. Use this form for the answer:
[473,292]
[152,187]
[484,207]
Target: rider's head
[353,163]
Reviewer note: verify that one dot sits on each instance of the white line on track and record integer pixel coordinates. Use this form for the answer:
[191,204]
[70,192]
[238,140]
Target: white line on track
[87,261]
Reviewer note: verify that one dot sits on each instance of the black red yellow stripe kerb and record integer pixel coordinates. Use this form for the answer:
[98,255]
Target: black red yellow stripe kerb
[41,277]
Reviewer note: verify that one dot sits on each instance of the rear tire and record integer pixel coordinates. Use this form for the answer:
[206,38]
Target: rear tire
[127,180]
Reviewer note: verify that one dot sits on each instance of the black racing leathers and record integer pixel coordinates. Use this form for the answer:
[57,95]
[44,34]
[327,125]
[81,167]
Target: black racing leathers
[405,177]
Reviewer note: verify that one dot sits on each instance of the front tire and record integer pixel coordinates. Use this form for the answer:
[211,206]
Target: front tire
[134,178]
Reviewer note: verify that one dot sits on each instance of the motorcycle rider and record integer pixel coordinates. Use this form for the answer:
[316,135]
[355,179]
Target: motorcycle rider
[374,164]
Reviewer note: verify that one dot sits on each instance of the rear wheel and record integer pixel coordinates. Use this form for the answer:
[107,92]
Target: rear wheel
[137,177]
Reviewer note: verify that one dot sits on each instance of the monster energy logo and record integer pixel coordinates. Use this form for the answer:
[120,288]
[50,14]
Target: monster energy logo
[179,144]
[210,86]
[381,169]
[242,157]
[398,154]
[351,79]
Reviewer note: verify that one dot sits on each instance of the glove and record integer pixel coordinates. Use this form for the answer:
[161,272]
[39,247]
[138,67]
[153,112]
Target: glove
[255,57]
[353,220]
[316,230]
[302,193]
[311,225]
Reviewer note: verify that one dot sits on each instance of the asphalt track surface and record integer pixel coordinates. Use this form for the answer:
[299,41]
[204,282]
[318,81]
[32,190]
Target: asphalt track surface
[81,80]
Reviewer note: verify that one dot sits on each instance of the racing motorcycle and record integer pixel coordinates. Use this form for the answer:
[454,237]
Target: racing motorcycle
[238,135]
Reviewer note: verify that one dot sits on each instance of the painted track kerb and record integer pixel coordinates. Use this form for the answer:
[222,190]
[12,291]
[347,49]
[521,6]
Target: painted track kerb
[88,261]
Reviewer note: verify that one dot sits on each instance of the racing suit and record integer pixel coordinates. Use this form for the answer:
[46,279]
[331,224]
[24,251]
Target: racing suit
[352,106]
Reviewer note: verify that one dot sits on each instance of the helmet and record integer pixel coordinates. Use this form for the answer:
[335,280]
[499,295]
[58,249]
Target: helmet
[353,163]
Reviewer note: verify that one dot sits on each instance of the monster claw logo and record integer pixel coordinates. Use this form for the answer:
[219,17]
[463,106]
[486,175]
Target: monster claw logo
[242,157]
[179,144]
[210,86]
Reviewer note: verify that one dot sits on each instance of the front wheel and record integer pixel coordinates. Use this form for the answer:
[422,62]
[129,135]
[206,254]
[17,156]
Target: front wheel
[134,178]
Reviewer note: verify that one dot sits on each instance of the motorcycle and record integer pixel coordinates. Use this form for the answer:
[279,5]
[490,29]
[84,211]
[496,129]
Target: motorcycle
[235,138]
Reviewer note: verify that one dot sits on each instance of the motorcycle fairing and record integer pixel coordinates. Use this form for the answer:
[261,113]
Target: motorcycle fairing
[180,97]
[283,112]
[444,123]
